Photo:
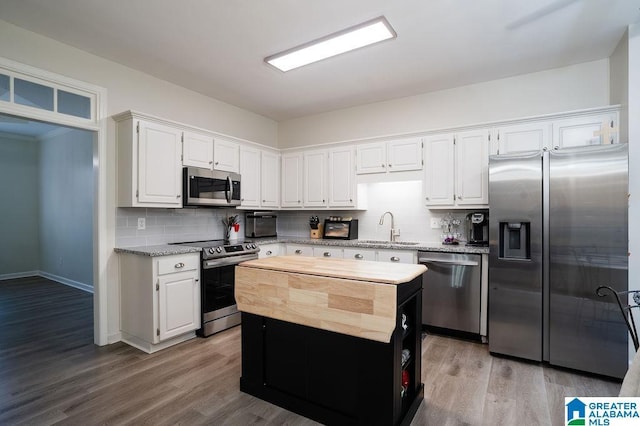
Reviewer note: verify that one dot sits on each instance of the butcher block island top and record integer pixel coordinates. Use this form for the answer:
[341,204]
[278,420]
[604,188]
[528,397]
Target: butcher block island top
[352,297]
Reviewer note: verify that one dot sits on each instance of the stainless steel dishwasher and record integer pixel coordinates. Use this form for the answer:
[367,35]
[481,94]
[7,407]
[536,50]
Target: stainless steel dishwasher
[451,290]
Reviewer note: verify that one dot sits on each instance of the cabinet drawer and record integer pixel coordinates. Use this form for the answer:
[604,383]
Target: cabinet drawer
[359,254]
[397,256]
[172,264]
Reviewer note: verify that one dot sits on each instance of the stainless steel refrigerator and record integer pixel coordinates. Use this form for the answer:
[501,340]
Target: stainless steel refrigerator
[557,231]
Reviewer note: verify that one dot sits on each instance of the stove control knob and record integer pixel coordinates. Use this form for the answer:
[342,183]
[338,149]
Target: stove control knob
[210,251]
[253,246]
[248,246]
[218,249]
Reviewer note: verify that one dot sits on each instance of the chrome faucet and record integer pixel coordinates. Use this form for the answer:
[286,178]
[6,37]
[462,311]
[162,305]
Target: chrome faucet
[394,232]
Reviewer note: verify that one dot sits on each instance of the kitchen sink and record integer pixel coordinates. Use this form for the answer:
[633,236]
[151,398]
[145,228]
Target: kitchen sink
[399,243]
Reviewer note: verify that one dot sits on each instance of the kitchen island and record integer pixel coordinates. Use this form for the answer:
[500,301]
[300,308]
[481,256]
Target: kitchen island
[336,340]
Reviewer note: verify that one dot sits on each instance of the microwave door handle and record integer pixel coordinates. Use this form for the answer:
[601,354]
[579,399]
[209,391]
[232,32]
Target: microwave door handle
[230,193]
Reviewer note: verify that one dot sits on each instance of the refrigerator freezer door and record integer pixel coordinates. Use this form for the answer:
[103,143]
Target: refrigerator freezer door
[515,255]
[588,190]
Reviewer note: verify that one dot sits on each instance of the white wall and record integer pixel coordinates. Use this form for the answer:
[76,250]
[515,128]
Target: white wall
[634,157]
[574,87]
[66,207]
[619,83]
[131,89]
[19,192]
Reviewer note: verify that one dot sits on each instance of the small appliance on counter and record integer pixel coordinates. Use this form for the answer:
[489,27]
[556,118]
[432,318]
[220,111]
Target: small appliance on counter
[338,228]
[316,227]
[260,224]
[478,229]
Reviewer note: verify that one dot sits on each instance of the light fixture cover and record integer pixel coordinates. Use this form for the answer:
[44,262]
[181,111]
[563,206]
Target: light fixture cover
[365,34]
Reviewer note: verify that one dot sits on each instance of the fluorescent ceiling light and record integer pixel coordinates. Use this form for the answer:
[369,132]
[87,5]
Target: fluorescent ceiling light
[344,41]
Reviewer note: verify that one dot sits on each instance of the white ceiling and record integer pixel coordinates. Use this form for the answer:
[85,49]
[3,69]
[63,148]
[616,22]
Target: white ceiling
[216,47]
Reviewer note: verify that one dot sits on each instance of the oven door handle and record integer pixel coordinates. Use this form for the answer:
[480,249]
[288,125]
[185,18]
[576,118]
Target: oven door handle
[230,192]
[233,260]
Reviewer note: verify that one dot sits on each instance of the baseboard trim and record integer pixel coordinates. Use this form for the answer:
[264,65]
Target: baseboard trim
[62,280]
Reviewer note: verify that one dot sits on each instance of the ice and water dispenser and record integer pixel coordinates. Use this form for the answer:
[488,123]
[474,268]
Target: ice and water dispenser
[515,242]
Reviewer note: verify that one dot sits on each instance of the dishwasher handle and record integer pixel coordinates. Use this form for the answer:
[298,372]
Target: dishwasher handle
[448,262]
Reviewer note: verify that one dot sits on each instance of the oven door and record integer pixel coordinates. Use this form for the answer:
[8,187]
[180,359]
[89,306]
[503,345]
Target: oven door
[218,286]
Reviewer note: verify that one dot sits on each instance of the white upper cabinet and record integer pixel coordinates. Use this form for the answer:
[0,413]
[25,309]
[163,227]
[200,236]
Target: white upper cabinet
[439,170]
[472,168]
[226,155]
[197,150]
[269,179]
[315,178]
[522,137]
[392,156]
[342,183]
[596,129]
[404,154]
[371,158]
[149,165]
[457,170]
[291,173]
[250,172]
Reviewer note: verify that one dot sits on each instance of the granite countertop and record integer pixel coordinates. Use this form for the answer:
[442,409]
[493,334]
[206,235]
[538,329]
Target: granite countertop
[170,249]
[158,250]
[398,245]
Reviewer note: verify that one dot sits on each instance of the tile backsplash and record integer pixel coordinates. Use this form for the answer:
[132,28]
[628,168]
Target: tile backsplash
[403,199]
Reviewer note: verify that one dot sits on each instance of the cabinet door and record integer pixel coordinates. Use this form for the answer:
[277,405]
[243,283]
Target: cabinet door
[397,256]
[371,158]
[342,178]
[326,251]
[472,168]
[270,179]
[292,180]
[439,171]
[250,172]
[159,166]
[269,250]
[299,250]
[523,137]
[359,254]
[596,129]
[404,154]
[197,150]
[315,178]
[178,304]
[226,155]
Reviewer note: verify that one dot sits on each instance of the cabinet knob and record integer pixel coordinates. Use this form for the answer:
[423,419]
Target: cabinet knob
[358,256]
[323,201]
[426,198]
[178,196]
[211,162]
[264,201]
[350,200]
[389,165]
[556,147]
[179,265]
[298,251]
[459,197]
[298,201]
[394,259]
[217,162]
[269,253]
[241,199]
[327,254]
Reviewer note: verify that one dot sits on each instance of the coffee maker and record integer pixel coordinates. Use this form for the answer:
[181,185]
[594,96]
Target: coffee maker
[478,229]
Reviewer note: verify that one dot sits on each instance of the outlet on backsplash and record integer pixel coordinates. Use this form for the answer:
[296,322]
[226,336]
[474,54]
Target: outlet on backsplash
[435,223]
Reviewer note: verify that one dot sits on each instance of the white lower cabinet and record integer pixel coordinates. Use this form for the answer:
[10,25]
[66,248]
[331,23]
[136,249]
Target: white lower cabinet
[299,250]
[359,253]
[326,251]
[159,299]
[269,250]
[398,256]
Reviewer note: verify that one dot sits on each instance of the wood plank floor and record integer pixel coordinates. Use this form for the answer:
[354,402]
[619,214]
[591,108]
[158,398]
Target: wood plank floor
[52,373]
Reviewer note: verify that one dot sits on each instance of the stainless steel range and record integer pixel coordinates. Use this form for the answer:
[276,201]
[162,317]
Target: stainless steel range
[217,273]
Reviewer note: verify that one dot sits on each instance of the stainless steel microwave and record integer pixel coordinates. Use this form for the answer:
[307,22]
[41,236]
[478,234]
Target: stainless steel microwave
[210,188]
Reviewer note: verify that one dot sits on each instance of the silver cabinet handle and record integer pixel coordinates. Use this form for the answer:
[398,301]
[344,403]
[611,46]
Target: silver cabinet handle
[327,254]
[178,196]
[211,162]
[358,256]
[389,165]
[298,251]
[217,162]
[394,259]
[556,147]
[426,198]
[383,165]
[459,197]
[264,201]
[179,265]
[269,253]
